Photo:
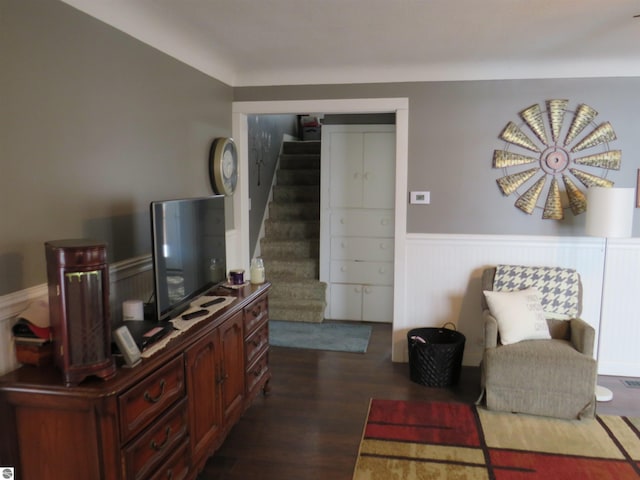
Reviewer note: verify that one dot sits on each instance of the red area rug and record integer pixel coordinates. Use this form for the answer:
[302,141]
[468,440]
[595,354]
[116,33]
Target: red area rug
[437,440]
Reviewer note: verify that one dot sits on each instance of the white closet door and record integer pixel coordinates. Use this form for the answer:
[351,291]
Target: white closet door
[377,303]
[379,170]
[346,151]
[346,302]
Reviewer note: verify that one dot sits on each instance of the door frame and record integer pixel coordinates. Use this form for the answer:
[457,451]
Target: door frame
[241,201]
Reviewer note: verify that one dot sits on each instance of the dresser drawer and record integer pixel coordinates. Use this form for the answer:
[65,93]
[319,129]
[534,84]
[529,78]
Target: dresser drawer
[363,249]
[367,273]
[255,314]
[176,467]
[140,405]
[256,342]
[155,445]
[256,372]
[362,223]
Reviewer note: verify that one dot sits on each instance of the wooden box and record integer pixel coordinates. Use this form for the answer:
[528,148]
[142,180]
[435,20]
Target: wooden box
[38,355]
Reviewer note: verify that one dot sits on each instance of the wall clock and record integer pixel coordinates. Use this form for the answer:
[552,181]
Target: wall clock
[223,166]
[566,155]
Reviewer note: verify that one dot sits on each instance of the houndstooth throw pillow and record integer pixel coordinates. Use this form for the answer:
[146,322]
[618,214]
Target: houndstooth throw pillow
[559,287]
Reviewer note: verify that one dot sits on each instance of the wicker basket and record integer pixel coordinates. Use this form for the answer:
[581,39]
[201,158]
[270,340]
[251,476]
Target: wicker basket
[435,356]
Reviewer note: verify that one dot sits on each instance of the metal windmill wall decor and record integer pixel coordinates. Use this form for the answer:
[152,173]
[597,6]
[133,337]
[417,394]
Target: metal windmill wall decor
[568,147]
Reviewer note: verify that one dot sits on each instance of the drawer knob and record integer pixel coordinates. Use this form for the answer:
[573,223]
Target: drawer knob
[150,399]
[159,446]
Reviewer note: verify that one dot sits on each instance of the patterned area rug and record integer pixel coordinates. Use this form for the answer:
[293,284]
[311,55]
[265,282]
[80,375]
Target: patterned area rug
[338,337]
[437,440]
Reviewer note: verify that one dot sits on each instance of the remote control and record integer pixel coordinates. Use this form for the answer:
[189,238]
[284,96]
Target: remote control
[192,315]
[213,302]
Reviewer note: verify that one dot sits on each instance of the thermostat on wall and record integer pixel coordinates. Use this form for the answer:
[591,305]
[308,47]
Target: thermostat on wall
[421,197]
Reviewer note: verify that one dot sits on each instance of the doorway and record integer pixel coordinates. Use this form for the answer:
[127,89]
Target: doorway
[398,106]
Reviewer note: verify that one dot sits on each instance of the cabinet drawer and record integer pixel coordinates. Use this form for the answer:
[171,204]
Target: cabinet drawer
[255,314]
[363,249]
[368,273]
[256,372]
[155,445]
[362,223]
[256,342]
[140,405]
[176,467]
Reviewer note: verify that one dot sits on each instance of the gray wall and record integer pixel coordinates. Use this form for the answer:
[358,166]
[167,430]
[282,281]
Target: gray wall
[454,129]
[93,126]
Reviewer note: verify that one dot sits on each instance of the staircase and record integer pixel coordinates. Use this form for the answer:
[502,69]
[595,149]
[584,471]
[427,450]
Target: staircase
[290,247]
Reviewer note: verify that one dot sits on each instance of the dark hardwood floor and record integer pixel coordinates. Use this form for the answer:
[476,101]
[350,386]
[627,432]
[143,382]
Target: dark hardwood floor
[309,426]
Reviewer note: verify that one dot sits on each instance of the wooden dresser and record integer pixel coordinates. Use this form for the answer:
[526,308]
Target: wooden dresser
[159,420]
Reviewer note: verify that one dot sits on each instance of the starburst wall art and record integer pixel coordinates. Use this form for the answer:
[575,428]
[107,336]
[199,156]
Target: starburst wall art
[570,152]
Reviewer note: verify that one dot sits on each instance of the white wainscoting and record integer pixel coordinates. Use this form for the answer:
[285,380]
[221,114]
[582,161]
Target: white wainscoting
[442,279]
[620,335]
[129,279]
[442,284]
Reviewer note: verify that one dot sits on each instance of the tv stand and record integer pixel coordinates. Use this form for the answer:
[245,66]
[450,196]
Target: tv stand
[161,419]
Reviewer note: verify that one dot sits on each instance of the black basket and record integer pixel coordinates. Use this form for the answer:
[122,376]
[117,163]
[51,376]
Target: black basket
[435,356]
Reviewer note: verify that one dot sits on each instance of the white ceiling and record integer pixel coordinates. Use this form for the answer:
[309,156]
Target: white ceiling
[283,42]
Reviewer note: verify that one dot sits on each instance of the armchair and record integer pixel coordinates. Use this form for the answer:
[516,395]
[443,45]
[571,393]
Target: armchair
[553,376]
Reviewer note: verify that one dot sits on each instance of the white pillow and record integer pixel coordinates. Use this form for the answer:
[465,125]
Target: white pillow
[519,315]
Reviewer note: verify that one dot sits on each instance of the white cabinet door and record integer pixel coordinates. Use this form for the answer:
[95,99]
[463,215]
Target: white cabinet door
[362,169]
[346,170]
[377,304]
[361,303]
[346,302]
[378,177]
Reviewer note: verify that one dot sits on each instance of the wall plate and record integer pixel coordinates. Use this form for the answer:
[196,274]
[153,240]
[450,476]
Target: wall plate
[421,198]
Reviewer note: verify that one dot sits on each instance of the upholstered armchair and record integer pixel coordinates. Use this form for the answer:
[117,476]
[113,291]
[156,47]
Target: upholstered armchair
[547,369]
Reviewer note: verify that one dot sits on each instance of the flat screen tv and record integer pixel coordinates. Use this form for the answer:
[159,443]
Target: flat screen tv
[189,251]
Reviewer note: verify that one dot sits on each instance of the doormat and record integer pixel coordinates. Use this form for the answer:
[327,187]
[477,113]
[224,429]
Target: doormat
[413,440]
[337,337]
[631,383]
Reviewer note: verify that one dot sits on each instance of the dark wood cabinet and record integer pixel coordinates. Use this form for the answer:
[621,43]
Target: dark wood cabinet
[162,419]
[202,368]
[216,386]
[232,368]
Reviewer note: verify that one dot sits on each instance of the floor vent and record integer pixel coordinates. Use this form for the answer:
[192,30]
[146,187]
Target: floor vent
[631,383]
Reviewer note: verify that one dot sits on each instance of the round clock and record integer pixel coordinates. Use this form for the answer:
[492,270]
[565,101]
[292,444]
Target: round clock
[223,166]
